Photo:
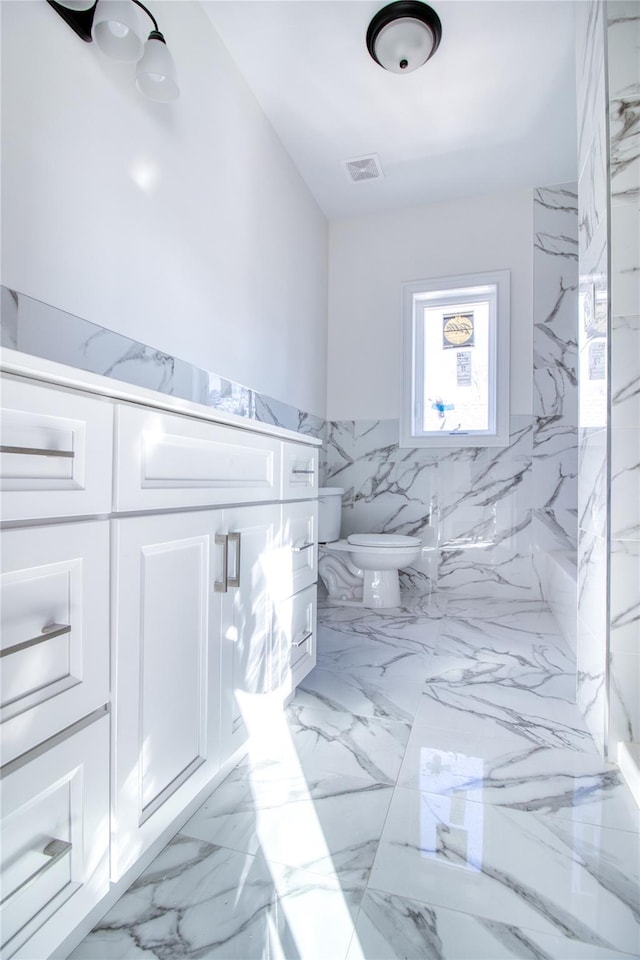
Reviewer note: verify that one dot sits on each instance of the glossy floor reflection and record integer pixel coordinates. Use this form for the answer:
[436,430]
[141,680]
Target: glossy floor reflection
[432,792]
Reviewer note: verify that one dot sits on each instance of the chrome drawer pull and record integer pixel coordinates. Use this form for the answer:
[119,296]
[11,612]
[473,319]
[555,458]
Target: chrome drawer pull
[55,850]
[303,471]
[235,538]
[221,586]
[48,633]
[37,451]
[305,546]
[298,643]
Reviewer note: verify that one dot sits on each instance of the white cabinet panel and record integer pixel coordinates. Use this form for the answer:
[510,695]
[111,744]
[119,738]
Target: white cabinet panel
[55,840]
[300,547]
[299,471]
[56,452]
[170,461]
[247,619]
[295,638]
[166,742]
[54,641]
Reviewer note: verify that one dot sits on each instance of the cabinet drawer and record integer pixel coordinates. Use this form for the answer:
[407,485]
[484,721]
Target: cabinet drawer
[54,644]
[56,454]
[170,461]
[299,471]
[300,546]
[296,633]
[55,840]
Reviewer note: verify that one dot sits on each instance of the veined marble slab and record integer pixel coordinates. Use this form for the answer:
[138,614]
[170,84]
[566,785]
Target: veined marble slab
[44,331]
[542,872]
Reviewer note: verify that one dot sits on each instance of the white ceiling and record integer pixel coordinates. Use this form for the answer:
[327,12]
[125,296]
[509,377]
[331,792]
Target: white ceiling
[494,108]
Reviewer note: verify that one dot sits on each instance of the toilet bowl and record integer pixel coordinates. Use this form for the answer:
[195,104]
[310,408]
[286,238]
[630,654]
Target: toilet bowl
[361,570]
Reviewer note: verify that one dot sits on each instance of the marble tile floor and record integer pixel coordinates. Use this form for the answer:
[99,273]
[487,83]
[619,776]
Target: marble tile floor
[431,792]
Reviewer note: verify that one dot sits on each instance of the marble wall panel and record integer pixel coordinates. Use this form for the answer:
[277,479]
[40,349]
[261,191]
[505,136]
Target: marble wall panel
[623,37]
[625,361]
[474,504]
[591,648]
[591,685]
[555,374]
[39,329]
[590,72]
[593,363]
[593,487]
[625,598]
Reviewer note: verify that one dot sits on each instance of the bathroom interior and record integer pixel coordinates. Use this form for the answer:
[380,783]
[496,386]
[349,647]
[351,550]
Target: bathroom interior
[459,775]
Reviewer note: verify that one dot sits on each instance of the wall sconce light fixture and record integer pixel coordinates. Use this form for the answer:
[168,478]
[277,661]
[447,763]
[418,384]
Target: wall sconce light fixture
[404,35]
[117,26]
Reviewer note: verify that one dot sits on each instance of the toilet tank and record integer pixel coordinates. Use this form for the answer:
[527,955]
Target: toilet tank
[329,513]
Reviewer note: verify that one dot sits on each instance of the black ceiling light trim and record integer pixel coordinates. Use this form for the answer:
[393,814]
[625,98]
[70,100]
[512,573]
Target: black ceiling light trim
[415,16]
[80,21]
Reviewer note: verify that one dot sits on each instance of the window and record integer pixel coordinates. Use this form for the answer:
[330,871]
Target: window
[456,361]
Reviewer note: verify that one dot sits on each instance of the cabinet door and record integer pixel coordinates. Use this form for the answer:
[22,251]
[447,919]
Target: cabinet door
[55,840]
[166,743]
[254,568]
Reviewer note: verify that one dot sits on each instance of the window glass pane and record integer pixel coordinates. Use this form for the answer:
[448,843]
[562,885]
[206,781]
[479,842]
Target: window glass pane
[457,367]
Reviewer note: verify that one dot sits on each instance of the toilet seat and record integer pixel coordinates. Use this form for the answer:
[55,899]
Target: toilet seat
[382,540]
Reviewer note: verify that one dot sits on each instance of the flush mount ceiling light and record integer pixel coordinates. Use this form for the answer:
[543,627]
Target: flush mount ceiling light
[404,35]
[117,26]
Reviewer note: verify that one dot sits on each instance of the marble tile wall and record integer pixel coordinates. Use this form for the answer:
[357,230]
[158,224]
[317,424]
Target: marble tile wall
[593,347]
[44,331]
[474,504]
[485,509]
[555,381]
[623,38]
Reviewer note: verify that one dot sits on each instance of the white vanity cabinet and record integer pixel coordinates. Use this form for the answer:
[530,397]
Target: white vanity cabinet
[166,672]
[295,608]
[55,839]
[54,640]
[247,625]
[158,589]
[198,642]
[169,461]
[195,651]
[55,452]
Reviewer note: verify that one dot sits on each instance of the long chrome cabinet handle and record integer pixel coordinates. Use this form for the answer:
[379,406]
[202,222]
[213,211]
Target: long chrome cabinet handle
[303,471]
[235,581]
[37,451]
[48,633]
[298,643]
[55,850]
[221,586]
[304,546]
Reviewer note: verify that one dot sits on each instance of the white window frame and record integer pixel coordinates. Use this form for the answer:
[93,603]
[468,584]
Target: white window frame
[444,291]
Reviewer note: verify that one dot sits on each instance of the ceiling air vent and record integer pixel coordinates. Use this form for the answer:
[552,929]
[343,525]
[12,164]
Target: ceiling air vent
[364,168]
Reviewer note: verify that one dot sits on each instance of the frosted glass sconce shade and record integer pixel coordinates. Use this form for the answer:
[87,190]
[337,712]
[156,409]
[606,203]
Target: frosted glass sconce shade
[118,30]
[156,73]
[404,35]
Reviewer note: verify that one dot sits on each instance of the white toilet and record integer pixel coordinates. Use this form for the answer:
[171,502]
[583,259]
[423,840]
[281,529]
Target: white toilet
[363,569]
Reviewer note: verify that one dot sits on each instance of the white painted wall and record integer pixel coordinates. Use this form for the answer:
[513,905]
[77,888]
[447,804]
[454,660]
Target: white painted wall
[370,257]
[183,225]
